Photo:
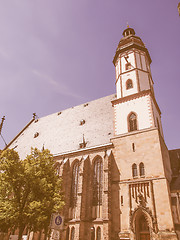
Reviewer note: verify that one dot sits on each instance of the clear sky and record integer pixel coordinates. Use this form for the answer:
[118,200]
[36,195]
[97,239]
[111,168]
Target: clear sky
[55,54]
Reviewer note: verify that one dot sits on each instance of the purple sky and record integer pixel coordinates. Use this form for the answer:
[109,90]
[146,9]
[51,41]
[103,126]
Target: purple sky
[55,54]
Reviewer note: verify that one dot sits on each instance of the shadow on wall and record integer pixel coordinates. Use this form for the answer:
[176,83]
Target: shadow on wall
[115,199]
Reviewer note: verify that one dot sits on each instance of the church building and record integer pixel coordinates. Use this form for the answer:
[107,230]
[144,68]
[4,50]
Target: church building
[119,179]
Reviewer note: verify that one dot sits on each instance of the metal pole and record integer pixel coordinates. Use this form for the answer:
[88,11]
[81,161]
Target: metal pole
[1,125]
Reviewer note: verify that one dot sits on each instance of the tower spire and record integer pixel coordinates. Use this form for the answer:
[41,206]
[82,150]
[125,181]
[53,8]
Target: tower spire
[134,86]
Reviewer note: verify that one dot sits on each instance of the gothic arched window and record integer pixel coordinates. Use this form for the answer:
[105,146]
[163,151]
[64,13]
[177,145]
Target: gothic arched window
[67,233]
[132,122]
[92,233]
[74,185]
[141,169]
[72,233]
[98,233]
[129,84]
[134,170]
[97,182]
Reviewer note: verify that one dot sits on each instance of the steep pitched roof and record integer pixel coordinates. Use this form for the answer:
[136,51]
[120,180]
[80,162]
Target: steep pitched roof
[63,132]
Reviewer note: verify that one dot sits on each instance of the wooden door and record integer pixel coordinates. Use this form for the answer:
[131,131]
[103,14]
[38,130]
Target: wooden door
[144,236]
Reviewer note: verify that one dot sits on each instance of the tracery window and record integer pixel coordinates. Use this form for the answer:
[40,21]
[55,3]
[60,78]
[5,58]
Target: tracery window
[132,122]
[72,233]
[67,233]
[98,233]
[129,84]
[97,182]
[134,170]
[92,233]
[141,169]
[74,185]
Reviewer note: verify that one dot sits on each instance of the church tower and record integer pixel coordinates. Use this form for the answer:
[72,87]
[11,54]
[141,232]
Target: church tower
[141,156]
[136,107]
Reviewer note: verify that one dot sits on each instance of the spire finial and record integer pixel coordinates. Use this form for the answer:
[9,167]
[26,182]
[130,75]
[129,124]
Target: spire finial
[127,25]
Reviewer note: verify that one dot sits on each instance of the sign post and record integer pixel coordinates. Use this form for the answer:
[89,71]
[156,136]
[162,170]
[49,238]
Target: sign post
[56,224]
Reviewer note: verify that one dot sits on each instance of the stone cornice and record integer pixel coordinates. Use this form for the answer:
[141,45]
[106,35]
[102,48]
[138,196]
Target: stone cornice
[128,47]
[84,150]
[134,132]
[137,95]
[139,180]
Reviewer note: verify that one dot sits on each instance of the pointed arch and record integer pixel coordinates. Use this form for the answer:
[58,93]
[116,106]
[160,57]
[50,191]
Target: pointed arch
[132,122]
[74,184]
[141,223]
[98,234]
[92,233]
[72,233]
[97,181]
[67,233]
[134,170]
[142,228]
[141,169]
[129,84]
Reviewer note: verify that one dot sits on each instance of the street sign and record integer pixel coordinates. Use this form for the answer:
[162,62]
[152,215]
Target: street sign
[57,221]
[13,237]
[56,235]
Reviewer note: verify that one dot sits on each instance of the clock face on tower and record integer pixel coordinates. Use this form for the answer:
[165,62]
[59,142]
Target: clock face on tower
[126,58]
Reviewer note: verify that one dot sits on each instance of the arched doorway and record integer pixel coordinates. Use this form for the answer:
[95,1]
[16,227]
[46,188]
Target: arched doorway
[142,228]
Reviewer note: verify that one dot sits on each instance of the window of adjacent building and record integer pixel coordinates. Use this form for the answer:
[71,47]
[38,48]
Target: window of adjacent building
[134,170]
[129,84]
[72,233]
[74,185]
[128,66]
[141,169]
[97,182]
[132,122]
[98,233]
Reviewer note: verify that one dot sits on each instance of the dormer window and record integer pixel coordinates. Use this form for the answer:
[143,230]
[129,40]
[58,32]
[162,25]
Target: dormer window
[82,122]
[36,135]
[128,66]
[129,84]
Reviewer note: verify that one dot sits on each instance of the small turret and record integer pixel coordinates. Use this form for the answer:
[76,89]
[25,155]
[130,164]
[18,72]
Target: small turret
[128,31]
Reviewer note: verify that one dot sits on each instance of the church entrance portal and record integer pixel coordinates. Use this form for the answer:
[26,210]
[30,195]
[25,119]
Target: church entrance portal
[142,228]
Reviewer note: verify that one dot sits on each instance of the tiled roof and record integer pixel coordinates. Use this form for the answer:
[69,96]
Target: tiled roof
[62,132]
